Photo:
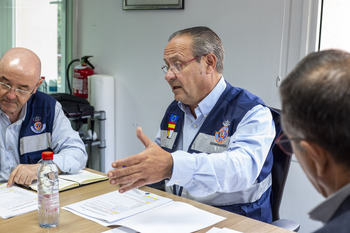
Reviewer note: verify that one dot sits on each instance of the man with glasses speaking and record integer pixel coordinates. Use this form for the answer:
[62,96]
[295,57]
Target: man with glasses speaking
[32,122]
[214,143]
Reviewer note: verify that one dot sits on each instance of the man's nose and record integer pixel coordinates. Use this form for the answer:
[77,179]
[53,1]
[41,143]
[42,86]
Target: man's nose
[11,94]
[170,75]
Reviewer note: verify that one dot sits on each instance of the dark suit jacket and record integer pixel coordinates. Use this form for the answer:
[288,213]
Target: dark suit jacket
[340,221]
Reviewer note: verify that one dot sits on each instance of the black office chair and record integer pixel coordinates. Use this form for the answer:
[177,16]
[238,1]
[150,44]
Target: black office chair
[280,169]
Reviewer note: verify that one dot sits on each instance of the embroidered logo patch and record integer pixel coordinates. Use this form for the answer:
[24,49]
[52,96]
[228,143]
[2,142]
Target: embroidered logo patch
[171,125]
[221,135]
[38,127]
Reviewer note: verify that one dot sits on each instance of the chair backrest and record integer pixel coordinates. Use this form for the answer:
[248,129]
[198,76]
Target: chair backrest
[280,169]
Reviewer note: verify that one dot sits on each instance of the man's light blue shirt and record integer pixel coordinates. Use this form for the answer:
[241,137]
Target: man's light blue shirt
[233,170]
[69,150]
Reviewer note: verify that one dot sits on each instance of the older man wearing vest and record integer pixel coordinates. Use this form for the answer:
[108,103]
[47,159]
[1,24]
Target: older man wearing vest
[32,122]
[214,143]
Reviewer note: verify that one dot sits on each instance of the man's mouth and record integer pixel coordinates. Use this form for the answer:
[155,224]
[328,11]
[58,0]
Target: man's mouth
[176,87]
[9,102]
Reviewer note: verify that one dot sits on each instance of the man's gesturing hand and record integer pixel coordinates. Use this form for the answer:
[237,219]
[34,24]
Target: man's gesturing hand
[151,165]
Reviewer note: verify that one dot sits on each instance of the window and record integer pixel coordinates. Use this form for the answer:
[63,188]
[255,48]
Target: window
[40,26]
[335,22]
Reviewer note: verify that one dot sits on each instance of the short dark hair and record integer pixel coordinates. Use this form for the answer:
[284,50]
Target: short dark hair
[205,41]
[316,102]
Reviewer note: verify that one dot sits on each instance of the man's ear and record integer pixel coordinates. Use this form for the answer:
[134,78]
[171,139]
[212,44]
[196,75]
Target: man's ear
[319,156]
[37,85]
[211,62]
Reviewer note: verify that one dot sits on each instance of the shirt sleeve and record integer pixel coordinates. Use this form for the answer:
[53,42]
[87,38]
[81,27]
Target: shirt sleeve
[232,170]
[69,150]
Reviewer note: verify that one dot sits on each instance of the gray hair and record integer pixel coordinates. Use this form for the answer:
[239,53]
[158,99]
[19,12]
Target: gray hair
[205,41]
[316,102]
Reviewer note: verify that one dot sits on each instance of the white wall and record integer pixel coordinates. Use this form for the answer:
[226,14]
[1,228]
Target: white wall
[262,40]
[129,45]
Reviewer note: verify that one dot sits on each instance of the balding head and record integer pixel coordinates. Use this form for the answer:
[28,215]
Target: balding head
[20,69]
[23,62]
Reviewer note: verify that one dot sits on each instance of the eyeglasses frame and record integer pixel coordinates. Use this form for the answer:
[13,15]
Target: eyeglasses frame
[279,141]
[166,68]
[18,91]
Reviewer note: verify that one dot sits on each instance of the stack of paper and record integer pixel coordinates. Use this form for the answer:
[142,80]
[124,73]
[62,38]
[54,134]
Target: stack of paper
[144,212]
[16,201]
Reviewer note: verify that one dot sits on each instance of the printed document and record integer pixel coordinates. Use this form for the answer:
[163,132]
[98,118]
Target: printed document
[144,212]
[114,206]
[16,201]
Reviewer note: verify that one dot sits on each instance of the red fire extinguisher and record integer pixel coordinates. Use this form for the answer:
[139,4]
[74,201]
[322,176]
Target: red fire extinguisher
[80,77]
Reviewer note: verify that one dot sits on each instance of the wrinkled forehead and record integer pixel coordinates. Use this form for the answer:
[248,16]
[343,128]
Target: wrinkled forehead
[179,46]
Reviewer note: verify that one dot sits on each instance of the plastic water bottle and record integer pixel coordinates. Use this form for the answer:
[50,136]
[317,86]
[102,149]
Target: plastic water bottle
[43,86]
[48,198]
[53,86]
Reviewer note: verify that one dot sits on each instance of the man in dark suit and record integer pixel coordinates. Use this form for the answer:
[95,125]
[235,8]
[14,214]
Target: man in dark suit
[316,119]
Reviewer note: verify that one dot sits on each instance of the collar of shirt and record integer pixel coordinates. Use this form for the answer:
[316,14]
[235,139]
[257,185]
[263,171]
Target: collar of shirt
[22,115]
[207,104]
[191,125]
[324,211]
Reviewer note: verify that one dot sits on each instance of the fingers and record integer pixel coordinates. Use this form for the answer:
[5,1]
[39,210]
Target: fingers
[130,176]
[18,177]
[131,160]
[127,162]
[12,177]
[125,180]
[128,182]
[143,138]
[125,188]
[23,174]
[122,175]
[149,166]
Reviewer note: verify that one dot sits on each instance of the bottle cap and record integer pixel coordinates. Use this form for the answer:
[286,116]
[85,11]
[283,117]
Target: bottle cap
[47,155]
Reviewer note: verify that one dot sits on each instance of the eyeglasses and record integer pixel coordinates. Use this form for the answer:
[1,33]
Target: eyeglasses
[18,92]
[177,67]
[284,143]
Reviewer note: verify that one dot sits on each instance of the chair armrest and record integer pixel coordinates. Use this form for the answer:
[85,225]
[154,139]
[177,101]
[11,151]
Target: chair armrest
[287,224]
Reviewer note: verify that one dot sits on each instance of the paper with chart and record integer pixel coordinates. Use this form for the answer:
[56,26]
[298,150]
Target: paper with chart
[16,201]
